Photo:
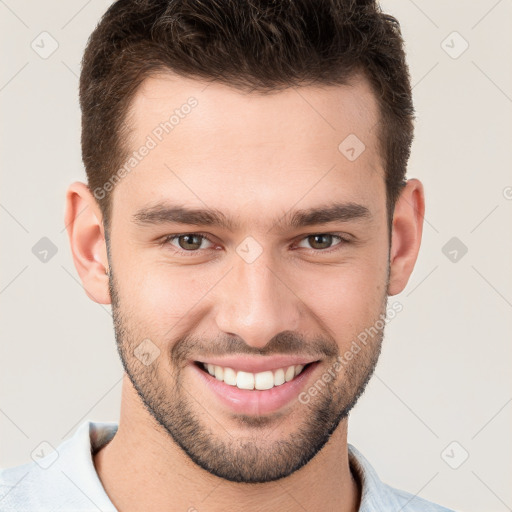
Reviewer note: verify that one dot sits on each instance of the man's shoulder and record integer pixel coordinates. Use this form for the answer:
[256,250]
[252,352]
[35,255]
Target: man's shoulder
[413,503]
[28,487]
[377,496]
[11,477]
[63,479]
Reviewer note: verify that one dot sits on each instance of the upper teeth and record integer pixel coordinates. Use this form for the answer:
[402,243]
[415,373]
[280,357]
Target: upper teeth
[246,380]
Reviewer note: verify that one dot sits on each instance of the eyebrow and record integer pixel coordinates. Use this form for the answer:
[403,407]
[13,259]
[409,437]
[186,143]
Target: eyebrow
[163,213]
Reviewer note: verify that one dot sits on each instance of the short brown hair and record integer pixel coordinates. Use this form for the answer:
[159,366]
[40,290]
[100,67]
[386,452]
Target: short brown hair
[254,45]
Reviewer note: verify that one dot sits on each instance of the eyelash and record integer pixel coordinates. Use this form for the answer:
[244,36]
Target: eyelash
[342,241]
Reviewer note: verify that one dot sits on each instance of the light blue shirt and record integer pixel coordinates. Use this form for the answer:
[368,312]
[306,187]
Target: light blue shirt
[65,480]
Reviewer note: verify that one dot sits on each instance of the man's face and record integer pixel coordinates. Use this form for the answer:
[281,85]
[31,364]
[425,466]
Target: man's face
[263,286]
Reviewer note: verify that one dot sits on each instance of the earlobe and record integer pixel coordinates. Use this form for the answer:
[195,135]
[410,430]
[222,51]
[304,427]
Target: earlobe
[83,221]
[406,235]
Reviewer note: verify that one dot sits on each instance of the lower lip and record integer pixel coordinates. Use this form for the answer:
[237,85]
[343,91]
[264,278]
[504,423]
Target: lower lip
[256,402]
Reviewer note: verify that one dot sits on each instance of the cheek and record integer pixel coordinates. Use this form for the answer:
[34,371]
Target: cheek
[350,297]
[165,299]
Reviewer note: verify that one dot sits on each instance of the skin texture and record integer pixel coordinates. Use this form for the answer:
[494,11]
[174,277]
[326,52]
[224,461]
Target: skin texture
[255,158]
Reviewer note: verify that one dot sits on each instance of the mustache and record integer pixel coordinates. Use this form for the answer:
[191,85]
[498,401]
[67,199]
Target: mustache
[285,343]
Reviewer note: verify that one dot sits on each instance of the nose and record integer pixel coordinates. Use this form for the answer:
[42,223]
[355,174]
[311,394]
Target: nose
[256,302]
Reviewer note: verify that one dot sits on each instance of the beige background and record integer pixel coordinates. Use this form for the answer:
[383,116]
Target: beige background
[445,373]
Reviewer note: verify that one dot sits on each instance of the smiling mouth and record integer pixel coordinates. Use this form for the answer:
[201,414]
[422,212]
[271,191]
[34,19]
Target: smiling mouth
[253,381]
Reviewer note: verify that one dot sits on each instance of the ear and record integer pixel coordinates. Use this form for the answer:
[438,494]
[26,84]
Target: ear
[406,234]
[83,220]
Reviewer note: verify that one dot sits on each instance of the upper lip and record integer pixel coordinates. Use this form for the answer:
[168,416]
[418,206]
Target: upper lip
[253,364]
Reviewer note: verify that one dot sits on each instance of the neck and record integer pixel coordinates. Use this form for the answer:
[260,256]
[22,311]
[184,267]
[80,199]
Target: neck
[142,468]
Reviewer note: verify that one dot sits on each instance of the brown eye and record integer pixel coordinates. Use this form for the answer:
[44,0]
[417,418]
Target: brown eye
[322,241]
[189,242]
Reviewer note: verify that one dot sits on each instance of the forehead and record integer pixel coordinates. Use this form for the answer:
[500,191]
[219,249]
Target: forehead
[307,112]
[210,142]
